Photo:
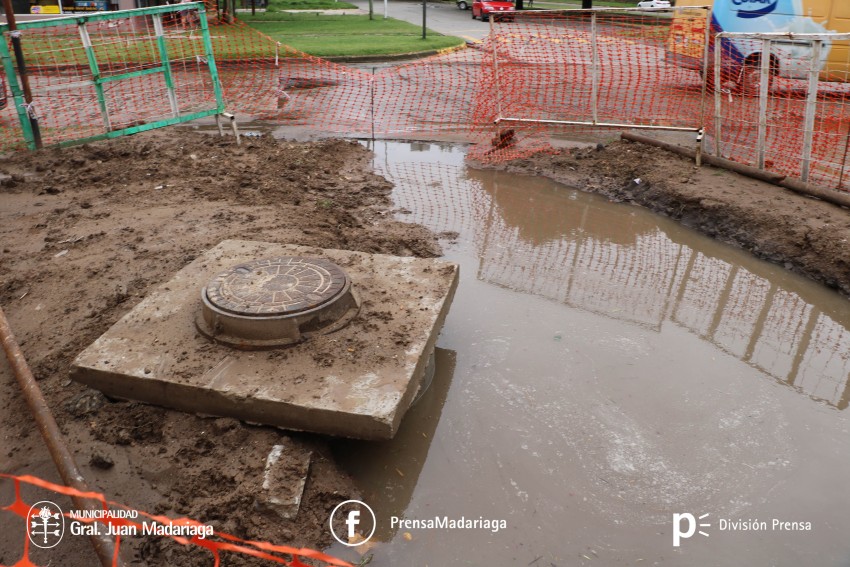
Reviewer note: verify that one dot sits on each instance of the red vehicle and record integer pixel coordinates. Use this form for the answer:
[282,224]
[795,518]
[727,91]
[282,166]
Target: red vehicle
[499,9]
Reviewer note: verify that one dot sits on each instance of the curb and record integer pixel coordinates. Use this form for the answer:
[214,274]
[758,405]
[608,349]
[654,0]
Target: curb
[394,57]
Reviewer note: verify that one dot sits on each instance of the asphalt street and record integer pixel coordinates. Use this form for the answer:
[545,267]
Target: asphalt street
[440,16]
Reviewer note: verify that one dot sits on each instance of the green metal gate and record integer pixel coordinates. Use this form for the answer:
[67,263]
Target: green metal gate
[109,74]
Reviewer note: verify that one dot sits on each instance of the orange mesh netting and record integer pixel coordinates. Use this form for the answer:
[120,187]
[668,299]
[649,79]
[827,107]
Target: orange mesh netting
[537,76]
[218,543]
[769,129]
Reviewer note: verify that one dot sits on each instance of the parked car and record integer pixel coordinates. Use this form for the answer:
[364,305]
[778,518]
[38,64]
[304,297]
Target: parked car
[654,4]
[463,4]
[499,9]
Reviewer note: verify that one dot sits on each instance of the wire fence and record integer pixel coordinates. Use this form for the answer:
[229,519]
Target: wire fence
[781,104]
[108,74]
[774,102]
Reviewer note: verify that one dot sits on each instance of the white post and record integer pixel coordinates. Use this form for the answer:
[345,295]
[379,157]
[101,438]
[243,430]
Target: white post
[159,31]
[386,9]
[705,56]
[764,99]
[493,44]
[718,104]
[594,86]
[811,107]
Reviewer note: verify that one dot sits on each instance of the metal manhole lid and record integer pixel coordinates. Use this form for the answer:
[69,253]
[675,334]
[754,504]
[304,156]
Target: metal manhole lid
[276,286]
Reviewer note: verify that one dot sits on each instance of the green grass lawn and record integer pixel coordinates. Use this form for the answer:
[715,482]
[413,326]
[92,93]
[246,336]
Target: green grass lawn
[276,6]
[323,36]
[329,36]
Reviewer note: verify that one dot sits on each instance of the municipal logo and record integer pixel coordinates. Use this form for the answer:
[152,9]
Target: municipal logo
[45,524]
[755,8]
[351,521]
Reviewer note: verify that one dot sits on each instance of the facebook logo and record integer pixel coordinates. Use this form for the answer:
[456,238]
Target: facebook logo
[352,523]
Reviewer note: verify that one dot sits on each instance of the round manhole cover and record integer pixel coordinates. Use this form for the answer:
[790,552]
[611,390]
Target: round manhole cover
[276,301]
[276,286]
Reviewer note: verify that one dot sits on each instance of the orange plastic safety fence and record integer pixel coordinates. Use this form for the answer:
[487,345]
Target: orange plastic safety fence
[799,125]
[551,72]
[216,544]
[538,75]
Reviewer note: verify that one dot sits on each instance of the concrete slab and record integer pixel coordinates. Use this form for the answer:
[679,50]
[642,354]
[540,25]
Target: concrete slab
[355,382]
[284,479]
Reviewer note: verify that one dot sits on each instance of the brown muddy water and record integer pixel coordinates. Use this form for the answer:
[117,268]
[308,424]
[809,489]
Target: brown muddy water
[601,369]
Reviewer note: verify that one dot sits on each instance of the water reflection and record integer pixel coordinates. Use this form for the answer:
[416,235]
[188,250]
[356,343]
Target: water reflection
[387,472]
[573,248]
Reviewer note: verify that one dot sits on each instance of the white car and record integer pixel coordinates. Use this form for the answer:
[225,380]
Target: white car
[654,4]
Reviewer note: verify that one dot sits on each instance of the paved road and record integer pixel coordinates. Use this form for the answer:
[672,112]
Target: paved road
[441,17]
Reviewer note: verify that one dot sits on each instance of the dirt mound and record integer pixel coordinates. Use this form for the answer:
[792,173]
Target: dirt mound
[88,231]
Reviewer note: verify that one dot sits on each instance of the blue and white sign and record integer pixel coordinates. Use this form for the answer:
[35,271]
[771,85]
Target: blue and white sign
[755,8]
[771,16]
[765,16]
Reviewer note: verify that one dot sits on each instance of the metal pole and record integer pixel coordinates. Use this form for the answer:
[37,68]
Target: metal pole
[718,48]
[811,108]
[95,74]
[171,92]
[764,94]
[59,452]
[386,9]
[586,123]
[22,69]
[706,53]
[594,76]
[844,161]
[371,10]
[424,6]
[208,52]
[496,80]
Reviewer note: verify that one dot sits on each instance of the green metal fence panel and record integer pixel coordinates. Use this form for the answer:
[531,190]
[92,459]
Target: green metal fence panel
[104,75]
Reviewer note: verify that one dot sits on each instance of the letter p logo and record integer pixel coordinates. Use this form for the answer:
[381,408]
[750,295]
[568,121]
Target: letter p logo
[679,534]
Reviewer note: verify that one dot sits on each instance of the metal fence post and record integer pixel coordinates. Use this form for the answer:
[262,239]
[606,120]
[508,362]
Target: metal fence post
[211,64]
[166,63]
[718,103]
[706,53]
[594,72]
[95,71]
[811,107]
[496,78]
[764,96]
[21,106]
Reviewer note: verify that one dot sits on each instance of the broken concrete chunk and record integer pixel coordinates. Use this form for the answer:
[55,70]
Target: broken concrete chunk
[284,479]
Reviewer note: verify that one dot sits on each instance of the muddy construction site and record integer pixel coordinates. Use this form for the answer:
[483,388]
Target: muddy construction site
[88,232]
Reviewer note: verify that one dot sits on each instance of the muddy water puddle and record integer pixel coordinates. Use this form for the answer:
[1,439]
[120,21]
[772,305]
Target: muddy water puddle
[601,369]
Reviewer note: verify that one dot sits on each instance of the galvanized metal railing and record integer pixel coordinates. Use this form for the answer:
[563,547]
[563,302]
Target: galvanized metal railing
[129,47]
